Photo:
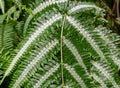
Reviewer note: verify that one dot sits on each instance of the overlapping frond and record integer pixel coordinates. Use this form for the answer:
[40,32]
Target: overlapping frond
[7,36]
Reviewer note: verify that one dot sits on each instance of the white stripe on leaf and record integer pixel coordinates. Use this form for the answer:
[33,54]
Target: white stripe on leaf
[75,52]
[59,86]
[40,8]
[82,6]
[98,79]
[31,39]
[42,53]
[86,35]
[75,75]
[66,86]
[105,73]
[112,46]
[46,76]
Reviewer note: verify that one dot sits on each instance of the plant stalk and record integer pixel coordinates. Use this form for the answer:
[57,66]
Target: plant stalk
[61,51]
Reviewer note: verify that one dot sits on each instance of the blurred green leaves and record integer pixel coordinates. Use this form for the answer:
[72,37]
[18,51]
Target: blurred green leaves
[2,6]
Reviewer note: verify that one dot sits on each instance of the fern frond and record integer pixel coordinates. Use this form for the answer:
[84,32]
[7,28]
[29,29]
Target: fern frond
[75,53]
[109,40]
[46,76]
[7,36]
[104,72]
[86,35]
[98,79]
[40,8]
[63,48]
[35,60]
[82,6]
[75,75]
[31,39]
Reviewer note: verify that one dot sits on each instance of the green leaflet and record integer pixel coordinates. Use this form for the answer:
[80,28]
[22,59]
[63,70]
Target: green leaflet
[63,48]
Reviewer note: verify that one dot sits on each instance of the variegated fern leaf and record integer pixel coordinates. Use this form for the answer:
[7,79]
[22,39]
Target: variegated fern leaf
[65,45]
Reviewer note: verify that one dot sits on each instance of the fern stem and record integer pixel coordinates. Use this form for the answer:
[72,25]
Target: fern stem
[61,51]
